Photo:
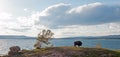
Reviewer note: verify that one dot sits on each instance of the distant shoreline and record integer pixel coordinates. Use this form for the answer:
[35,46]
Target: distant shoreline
[60,38]
[78,37]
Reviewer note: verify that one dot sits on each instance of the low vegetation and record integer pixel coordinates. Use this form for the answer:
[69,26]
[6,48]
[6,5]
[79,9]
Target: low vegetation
[44,37]
[67,52]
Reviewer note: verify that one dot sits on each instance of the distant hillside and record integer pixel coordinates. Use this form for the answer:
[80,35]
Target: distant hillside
[109,37]
[82,37]
[98,37]
[14,36]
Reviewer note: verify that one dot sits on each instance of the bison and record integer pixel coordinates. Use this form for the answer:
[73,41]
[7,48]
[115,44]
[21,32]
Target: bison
[77,43]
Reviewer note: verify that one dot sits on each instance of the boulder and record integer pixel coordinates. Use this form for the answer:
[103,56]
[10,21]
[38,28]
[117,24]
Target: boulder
[14,50]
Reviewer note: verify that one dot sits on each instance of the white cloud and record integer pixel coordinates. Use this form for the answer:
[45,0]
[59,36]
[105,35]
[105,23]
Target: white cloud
[92,30]
[19,25]
[55,8]
[5,16]
[25,9]
[89,14]
[93,19]
[84,7]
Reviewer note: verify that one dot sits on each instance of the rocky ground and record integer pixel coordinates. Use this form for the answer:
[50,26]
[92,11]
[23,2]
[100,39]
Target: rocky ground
[65,52]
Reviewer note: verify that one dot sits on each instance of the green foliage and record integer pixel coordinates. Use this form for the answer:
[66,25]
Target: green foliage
[43,38]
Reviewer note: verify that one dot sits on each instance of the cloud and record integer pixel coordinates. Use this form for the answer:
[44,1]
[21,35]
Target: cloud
[65,21]
[24,25]
[88,14]
[52,14]
[20,30]
[5,16]
[25,9]
[91,30]
[10,23]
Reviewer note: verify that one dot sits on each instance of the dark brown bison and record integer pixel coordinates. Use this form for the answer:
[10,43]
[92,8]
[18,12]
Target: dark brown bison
[77,43]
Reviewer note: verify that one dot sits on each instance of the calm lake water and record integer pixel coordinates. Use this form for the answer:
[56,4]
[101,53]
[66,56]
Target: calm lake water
[28,43]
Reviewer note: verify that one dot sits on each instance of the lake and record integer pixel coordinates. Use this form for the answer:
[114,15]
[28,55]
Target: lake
[28,43]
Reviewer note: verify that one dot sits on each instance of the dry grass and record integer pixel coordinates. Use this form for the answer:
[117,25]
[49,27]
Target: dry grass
[70,52]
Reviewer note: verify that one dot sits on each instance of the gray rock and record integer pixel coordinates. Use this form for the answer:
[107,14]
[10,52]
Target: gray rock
[14,50]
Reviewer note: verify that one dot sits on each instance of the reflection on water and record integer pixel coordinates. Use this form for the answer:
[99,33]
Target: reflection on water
[24,43]
[3,47]
[28,43]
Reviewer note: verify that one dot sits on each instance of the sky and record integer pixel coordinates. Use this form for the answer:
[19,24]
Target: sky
[66,18]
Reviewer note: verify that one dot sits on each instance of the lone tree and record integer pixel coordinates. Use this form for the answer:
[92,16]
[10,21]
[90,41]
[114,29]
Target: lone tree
[43,38]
